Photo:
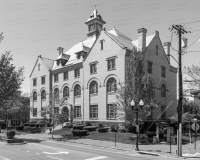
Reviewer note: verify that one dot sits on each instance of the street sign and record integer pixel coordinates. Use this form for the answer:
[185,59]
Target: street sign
[193,126]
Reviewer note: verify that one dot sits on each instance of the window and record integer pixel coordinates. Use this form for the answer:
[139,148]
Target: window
[77,111]
[149,67]
[65,75]
[163,90]
[66,91]
[34,112]
[43,80]
[93,111]
[111,85]
[56,110]
[77,90]
[43,95]
[38,67]
[56,93]
[35,96]
[156,50]
[150,88]
[162,112]
[77,73]
[93,87]
[111,64]
[163,71]
[56,78]
[111,111]
[43,112]
[101,45]
[34,82]
[93,68]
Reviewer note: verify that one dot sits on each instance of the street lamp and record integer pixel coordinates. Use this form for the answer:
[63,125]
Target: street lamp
[135,108]
[195,121]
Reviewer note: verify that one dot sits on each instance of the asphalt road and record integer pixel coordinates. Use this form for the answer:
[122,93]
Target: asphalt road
[52,150]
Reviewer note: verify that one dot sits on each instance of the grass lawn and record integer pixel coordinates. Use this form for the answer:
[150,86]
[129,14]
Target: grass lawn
[105,136]
[110,136]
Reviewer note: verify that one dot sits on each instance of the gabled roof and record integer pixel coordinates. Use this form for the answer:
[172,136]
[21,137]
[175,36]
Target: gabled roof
[96,15]
[120,38]
[81,46]
[148,40]
[48,63]
[63,56]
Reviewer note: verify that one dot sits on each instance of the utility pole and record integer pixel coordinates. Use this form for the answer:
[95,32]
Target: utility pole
[179,30]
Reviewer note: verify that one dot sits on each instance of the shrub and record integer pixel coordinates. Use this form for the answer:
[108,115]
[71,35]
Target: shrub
[79,132]
[100,125]
[90,128]
[10,134]
[88,124]
[130,128]
[78,127]
[103,129]
[114,128]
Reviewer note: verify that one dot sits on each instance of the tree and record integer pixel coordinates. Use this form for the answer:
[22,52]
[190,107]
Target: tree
[190,111]
[193,74]
[53,109]
[10,78]
[137,87]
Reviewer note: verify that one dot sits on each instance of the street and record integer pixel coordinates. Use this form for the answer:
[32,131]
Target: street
[68,151]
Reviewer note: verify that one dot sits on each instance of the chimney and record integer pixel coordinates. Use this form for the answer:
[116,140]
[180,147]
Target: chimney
[60,50]
[142,39]
[167,49]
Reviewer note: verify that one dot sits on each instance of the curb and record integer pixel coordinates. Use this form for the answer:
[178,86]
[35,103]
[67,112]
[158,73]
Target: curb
[148,153]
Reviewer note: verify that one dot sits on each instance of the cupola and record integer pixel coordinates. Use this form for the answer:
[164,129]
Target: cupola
[95,23]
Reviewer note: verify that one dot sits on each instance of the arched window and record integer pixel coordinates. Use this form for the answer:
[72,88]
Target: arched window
[35,96]
[111,85]
[43,95]
[93,87]
[66,91]
[77,90]
[163,90]
[56,93]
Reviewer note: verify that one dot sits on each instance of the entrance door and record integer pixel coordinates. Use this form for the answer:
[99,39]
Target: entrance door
[65,114]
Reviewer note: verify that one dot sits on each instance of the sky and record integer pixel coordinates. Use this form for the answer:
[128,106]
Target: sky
[38,27]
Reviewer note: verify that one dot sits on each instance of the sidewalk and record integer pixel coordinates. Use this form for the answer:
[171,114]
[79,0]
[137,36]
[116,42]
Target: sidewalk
[161,148]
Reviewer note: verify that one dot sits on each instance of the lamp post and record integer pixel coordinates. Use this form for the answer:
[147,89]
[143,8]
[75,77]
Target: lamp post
[135,108]
[195,121]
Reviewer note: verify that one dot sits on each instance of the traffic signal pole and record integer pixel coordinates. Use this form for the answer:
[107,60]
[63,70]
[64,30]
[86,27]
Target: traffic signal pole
[179,30]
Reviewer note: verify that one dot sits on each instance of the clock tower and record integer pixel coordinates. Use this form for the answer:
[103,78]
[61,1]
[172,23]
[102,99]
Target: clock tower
[95,23]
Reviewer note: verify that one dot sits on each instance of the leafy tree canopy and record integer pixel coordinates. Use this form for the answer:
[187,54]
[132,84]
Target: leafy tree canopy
[137,87]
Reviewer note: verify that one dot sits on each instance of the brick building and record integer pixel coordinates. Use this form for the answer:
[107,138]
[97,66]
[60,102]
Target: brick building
[90,71]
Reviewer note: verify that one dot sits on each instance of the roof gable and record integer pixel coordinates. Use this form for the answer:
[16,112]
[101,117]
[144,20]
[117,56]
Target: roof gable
[48,63]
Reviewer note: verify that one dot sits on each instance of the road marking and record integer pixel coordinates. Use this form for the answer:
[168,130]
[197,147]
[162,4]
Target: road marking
[134,154]
[27,151]
[96,158]
[4,158]
[56,153]
[36,153]
[78,146]
[54,158]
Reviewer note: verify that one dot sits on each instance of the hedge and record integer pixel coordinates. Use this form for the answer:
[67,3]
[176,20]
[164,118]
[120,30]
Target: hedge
[103,129]
[78,127]
[79,132]
[90,128]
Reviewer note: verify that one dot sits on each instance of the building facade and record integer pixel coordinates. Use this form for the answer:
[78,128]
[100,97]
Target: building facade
[89,73]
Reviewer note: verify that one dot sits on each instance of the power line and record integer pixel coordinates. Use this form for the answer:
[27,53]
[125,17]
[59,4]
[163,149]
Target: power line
[193,43]
[191,22]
